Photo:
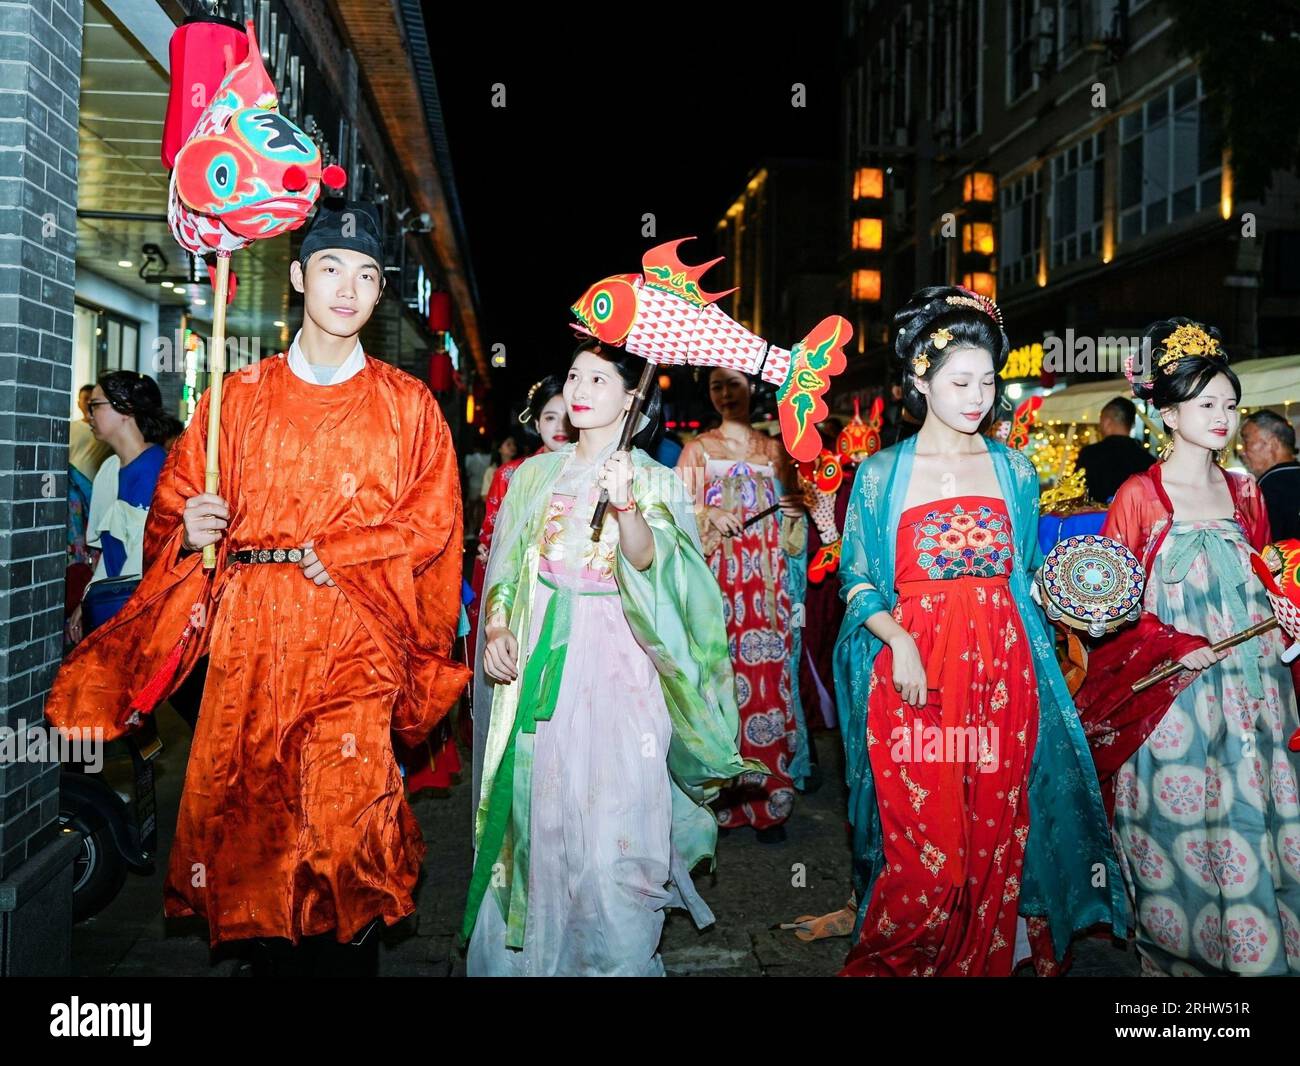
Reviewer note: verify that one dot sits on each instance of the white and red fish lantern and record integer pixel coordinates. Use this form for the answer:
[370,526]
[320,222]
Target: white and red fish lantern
[663,316]
[820,481]
[244,172]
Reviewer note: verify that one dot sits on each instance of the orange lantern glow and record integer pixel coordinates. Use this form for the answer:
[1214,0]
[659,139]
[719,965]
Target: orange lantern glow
[866,285]
[868,183]
[868,234]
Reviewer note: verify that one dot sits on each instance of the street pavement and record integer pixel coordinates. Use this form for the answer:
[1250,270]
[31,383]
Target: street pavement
[753,889]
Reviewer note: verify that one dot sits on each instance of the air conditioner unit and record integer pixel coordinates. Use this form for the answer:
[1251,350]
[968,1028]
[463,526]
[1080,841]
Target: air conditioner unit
[901,137]
[1045,45]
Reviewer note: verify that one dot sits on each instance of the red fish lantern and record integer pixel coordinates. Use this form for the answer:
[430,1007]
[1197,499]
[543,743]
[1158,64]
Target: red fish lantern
[245,172]
[1278,568]
[820,480]
[860,439]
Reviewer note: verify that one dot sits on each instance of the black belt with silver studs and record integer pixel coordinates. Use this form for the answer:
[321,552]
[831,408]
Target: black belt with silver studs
[267,555]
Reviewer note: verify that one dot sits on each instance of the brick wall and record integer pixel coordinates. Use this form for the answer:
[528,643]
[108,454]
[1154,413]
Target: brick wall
[40,63]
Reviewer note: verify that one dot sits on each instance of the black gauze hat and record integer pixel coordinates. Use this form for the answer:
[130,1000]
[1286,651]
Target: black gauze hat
[344,224]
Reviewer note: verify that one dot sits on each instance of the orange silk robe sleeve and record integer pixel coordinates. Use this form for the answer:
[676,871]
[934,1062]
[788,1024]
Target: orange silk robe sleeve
[402,574]
[98,677]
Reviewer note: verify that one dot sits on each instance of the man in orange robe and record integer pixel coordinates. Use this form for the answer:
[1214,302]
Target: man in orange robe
[293,823]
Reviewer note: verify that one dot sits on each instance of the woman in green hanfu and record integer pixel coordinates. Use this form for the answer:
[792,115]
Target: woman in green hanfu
[605,704]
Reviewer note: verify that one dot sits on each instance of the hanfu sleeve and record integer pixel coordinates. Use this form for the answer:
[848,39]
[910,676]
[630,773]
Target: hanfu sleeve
[1124,517]
[506,560]
[860,583]
[1254,514]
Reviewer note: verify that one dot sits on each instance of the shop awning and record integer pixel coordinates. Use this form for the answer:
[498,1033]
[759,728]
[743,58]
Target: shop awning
[1272,382]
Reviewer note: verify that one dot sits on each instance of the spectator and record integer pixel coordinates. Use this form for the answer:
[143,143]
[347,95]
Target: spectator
[476,462]
[1268,449]
[1117,456]
[126,413]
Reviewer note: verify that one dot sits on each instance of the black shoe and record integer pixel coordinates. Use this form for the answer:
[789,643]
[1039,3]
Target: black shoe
[723,831]
[773,834]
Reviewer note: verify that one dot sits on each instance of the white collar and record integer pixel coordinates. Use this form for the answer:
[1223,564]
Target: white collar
[351,366]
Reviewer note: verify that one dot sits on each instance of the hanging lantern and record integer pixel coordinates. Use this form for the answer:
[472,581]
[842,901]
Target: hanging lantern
[440,311]
[440,372]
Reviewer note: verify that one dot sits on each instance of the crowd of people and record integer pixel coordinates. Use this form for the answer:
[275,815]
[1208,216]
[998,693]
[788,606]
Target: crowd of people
[633,686]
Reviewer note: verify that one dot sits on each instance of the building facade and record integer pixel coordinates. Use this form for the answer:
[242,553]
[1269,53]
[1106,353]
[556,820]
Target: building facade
[1060,156]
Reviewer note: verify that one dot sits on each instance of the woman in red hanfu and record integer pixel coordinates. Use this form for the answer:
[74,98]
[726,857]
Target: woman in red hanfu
[734,473]
[948,685]
[1196,769]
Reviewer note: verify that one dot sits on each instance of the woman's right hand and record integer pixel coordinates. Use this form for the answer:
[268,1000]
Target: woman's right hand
[74,625]
[500,655]
[909,671]
[1202,658]
[726,522]
[204,519]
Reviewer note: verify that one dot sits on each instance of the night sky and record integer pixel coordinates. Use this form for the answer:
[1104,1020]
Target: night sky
[668,115]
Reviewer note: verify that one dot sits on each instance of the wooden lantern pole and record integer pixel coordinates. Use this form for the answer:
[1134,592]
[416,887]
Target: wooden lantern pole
[625,440]
[217,366]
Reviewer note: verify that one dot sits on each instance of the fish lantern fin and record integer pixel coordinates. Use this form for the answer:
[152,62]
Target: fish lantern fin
[799,401]
[1023,421]
[662,269]
[824,563]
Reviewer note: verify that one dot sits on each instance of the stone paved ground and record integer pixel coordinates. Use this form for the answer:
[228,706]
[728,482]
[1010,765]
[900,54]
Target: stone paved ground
[754,888]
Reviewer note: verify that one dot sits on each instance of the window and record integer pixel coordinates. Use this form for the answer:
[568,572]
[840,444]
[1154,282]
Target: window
[970,51]
[1170,166]
[1022,203]
[1021,41]
[112,341]
[955,59]
[1069,29]
[940,69]
[1076,201]
[901,67]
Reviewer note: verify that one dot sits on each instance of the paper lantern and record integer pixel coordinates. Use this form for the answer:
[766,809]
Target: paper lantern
[440,311]
[440,372]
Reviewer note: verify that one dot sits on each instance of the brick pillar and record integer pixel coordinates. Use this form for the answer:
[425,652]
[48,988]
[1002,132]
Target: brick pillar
[40,64]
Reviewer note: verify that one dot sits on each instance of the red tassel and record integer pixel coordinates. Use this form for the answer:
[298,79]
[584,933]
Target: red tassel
[144,701]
